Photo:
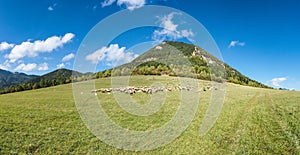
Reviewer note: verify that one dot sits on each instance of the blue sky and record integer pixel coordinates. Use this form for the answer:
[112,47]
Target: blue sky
[258,38]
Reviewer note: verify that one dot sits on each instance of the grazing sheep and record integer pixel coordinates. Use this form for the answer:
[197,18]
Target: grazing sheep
[149,91]
[145,89]
[131,91]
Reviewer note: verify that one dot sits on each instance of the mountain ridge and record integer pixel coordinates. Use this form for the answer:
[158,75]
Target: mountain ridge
[8,78]
[189,61]
[53,78]
[181,59]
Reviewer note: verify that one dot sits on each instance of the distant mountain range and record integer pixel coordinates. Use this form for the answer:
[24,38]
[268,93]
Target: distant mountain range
[168,58]
[9,78]
[60,76]
[14,82]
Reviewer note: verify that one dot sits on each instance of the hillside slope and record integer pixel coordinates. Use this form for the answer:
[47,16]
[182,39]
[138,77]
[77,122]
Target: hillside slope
[252,121]
[181,59]
[8,78]
[57,77]
[60,76]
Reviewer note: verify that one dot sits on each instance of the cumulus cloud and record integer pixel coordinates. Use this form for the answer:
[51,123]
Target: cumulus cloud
[33,49]
[31,67]
[170,29]
[276,81]
[67,38]
[97,55]
[5,46]
[5,65]
[107,3]
[68,57]
[187,33]
[59,66]
[112,55]
[50,8]
[130,4]
[236,43]
[43,67]
[26,67]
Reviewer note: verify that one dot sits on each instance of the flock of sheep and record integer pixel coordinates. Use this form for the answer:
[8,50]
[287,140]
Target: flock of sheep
[148,90]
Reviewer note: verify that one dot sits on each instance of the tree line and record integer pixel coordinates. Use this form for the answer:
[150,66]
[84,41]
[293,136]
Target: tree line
[199,70]
[43,83]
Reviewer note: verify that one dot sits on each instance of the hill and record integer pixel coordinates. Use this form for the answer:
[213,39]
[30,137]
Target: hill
[168,58]
[57,77]
[181,59]
[252,121]
[8,78]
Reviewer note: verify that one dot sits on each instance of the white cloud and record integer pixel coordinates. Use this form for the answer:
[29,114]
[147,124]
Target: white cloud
[170,29]
[31,67]
[107,3]
[167,23]
[5,65]
[59,66]
[50,8]
[236,43]
[187,33]
[130,4]
[47,58]
[95,7]
[43,67]
[67,37]
[26,67]
[5,46]
[33,49]
[68,57]
[276,81]
[97,55]
[112,55]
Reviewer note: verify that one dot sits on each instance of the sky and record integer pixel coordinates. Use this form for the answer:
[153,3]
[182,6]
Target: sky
[259,38]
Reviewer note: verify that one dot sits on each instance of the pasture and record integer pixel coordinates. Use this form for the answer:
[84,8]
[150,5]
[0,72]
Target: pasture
[252,121]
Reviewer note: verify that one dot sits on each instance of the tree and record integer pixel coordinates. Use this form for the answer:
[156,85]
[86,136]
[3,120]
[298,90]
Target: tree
[42,83]
[35,86]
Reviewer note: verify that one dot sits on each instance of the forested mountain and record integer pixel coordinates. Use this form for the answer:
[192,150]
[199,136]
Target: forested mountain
[9,78]
[57,77]
[168,58]
[181,59]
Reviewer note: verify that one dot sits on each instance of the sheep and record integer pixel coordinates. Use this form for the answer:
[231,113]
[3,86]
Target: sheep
[145,89]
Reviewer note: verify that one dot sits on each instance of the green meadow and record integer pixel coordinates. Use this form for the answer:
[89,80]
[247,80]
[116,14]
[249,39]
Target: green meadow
[252,121]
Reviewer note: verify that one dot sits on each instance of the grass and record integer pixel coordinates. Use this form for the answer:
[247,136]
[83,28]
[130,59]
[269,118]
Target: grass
[252,121]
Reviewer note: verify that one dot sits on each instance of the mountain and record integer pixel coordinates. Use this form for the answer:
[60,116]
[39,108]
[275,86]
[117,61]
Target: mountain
[57,77]
[181,59]
[168,58]
[9,78]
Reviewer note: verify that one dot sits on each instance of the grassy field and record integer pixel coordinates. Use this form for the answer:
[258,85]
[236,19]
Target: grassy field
[252,121]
